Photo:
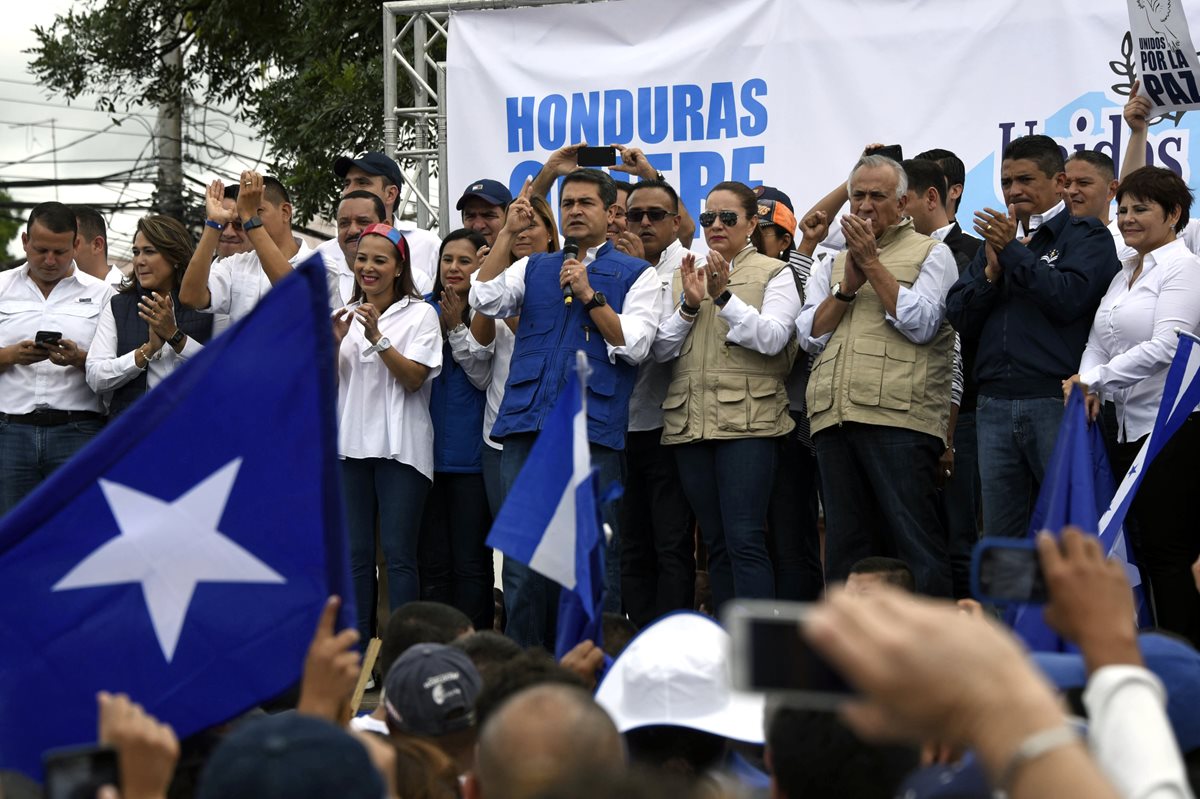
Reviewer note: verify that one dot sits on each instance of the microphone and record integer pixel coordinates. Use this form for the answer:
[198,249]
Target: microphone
[570,250]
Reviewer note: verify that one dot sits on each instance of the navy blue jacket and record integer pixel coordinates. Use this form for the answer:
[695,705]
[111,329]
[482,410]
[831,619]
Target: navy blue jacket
[1033,322]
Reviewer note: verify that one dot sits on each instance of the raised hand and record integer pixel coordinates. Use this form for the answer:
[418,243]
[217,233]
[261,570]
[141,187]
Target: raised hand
[718,273]
[147,750]
[158,311]
[250,194]
[694,280]
[996,227]
[212,204]
[330,669]
[520,211]
[814,227]
[565,159]
[1137,109]
[452,309]
[633,162]
[368,315]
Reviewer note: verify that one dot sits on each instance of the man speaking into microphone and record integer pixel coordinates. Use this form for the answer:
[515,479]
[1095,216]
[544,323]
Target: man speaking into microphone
[592,298]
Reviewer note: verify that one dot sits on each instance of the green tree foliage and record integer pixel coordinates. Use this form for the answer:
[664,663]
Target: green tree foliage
[10,224]
[307,75]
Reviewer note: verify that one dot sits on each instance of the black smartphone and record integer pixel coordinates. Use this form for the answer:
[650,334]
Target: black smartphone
[770,655]
[892,151]
[47,337]
[1006,570]
[596,156]
[78,772]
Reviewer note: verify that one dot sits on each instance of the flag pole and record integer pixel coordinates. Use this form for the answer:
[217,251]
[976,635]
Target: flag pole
[583,370]
[1179,331]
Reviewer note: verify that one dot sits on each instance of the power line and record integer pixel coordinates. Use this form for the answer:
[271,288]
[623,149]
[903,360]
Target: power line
[104,131]
[47,104]
[57,148]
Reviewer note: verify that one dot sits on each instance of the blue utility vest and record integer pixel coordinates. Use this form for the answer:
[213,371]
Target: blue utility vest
[547,337]
[456,408]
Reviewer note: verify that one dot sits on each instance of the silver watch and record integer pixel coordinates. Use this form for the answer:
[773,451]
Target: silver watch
[378,346]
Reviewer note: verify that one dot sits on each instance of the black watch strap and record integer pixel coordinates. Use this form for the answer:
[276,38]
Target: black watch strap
[177,338]
[251,223]
[723,298]
[598,300]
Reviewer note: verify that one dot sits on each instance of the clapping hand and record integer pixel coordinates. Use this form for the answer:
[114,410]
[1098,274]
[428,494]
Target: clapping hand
[693,278]
[341,324]
[212,204]
[718,273]
[996,227]
[452,309]
[368,315]
[158,311]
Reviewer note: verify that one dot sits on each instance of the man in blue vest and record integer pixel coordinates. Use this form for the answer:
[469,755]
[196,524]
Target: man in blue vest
[611,313]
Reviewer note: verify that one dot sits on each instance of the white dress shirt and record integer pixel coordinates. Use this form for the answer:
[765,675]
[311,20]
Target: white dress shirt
[1130,735]
[1132,340]
[114,277]
[107,371]
[378,417]
[238,282]
[73,309]
[499,355]
[503,295]
[1037,220]
[653,379]
[767,330]
[423,249]
[919,310]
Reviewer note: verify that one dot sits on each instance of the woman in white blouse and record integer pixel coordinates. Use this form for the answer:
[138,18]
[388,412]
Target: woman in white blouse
[1127,357]
[144,333]
[389,349]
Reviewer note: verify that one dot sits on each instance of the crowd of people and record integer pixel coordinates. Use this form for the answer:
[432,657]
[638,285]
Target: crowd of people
[881,369]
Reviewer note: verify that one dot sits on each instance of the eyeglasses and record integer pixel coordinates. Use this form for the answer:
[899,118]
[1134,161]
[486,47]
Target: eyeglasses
[728,218]
[637,215]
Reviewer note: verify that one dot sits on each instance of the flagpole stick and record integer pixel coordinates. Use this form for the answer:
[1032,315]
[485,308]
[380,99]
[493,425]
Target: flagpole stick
[1179,331]
[582,368]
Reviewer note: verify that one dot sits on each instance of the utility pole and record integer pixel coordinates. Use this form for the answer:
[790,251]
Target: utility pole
[168,190]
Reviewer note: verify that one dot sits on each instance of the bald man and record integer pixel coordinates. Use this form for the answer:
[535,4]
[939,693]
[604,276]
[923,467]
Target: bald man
[539,737]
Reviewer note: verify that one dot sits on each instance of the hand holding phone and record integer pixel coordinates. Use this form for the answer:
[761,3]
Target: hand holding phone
[47,338]
[1007,570]
[79,772]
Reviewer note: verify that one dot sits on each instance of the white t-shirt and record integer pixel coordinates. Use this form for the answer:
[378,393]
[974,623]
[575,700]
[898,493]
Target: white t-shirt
[238,282]
[378,418]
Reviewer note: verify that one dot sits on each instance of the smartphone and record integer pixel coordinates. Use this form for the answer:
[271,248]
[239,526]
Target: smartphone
[770,655]
[892,151]
[78,772]
[1007,570]
[47,337]
[597,156]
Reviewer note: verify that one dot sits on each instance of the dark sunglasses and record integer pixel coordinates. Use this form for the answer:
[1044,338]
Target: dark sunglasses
[637,215]
[728,218]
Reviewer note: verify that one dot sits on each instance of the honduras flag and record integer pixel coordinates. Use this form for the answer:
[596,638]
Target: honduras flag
[551,518]
[183,556]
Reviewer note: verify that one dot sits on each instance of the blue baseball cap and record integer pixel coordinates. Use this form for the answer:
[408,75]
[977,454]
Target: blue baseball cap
[492,192]
[373,163]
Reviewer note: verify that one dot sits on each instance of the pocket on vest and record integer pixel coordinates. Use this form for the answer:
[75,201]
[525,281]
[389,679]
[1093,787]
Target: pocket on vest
[601,387]
[523,379]
[818,395]
[882,373]
[764,402]
[675,410]
[733,405]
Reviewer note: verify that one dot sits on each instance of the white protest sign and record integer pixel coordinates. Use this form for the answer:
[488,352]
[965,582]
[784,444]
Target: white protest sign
[1166,61]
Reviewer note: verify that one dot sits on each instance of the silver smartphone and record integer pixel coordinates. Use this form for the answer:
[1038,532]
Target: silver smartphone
[770,655]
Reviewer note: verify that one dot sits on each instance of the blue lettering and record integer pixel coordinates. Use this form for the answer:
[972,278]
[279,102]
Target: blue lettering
[552,122]
[1167,160]
[651,110]
[698,173]
[520,124]
[585,118]
[756,120]
[743,159]
[618,117]
[523,170]
[722,113]
[688,122]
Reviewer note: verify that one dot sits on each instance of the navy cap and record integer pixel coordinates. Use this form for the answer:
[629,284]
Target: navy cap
[490,191]
[371,163]
[431,690]
[290,755]
[772,193]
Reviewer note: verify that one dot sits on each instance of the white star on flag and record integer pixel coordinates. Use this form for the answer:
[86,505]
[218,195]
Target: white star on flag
[169,547]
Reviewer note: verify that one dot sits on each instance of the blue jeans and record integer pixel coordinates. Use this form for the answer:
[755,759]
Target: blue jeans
[530,600]
[880,498]
[728,484]
[1016,439]
[493,481]
[792,536]
[455,563]
[28,455]
[396,493]
[958,504]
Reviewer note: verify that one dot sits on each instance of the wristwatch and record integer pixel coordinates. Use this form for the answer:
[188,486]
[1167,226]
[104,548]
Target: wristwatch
[598,300]
[837,293]
[378,346]
[179,336]
[722,298]
[251,223]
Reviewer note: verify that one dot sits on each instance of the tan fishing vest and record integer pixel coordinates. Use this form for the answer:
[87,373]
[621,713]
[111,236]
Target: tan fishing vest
[869,372]
[721,390]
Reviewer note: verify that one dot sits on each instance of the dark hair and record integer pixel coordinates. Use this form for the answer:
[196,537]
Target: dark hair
[678,750]
[953,167]
[90,224]
[749,201]
[618,632]
[1099,160]
[404,285]
[488,650]
[55,217]
[423,770]
[462,234]
[419,623]
[662,185]
[376,203]
[1042,150]
[924,175]
[173,242]
[530,668]
[623,186]
[1159,185]
[274,191]
[231,191]
[813,754]
[892,570]
[605,185]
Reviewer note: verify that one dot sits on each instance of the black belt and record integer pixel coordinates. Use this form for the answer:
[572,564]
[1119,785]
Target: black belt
[51,418]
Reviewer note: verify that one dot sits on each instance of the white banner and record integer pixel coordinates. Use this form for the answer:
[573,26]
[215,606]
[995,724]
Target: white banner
[1166,60]
[787,92]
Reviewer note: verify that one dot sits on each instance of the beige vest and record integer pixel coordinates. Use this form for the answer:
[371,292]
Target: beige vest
[720,390]
[869,372]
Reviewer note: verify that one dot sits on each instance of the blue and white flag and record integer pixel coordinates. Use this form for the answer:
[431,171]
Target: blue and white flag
[183,556]
[550,520]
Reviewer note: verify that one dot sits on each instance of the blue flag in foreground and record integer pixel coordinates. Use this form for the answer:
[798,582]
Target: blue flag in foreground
[551,518]
[184,555]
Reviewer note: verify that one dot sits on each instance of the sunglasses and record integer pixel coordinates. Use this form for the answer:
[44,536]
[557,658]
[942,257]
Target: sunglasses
[728,218]
[637,215]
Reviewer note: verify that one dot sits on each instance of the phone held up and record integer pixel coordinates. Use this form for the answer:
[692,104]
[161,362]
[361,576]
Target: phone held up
[79,772]
[1007,570]
[596,156]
